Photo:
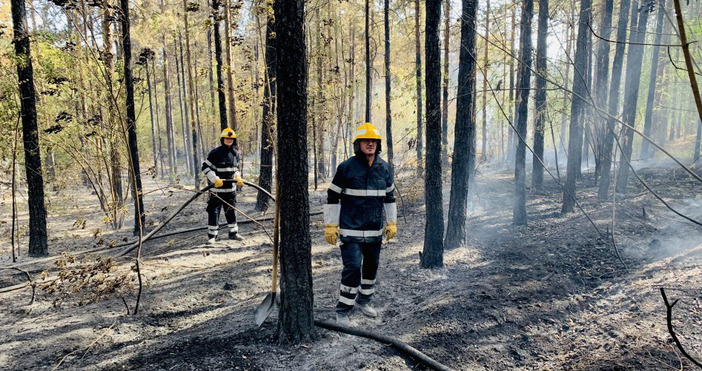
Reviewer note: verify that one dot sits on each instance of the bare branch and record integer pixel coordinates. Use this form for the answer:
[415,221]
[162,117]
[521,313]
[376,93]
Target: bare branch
[669,321]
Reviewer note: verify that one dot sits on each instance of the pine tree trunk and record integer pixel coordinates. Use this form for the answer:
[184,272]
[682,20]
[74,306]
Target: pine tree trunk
[652,81]
[139,214]
[388,88]
[158,119]
[537,173]
[575,130]
[445,85]
[418,71]
[613,103]
[462,166]
[486,66]
[296,318]
[602,72]
[154,147]
[265,178]
[433,253]
[519,215]
[631,90]
[368,62]
[183,100]
[221,97]
[191,96]
[172,163]
[30,132]
[230,78]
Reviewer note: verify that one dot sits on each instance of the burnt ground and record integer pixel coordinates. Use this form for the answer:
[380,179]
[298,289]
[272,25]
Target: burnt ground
[555,294]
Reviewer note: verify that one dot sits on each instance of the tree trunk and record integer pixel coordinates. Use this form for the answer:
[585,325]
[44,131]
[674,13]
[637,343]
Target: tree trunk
[486,66]
[139,214]
[602,72]
[296,318]
[170,130]
[158,119]
[519,215]
[690,74]
[265,177]
[191,95]
[613,103]
[116,193]
[418,65]
[218,59]
[462,167]
[631,89]
[509,156]
[30,132]
[537,174]
[575,130]
[184,106]
[569,46]
[445,84]
[433,253]
[388,89]
[154,147]
[230,78]
[368,62]
[652,81]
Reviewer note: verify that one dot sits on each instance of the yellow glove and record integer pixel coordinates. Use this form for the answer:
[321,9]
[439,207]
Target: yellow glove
[218,183]
[239,181]
[390,230]
[331,233]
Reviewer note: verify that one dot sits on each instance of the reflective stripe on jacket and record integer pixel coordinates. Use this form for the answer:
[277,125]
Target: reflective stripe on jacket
[362,191]
[222,162]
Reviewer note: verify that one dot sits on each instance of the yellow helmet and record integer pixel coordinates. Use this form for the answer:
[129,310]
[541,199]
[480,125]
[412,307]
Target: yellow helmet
[367,131]
[228,133]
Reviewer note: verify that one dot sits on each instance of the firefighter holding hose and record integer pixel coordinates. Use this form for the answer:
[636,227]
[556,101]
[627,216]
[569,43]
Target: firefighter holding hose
[222,164]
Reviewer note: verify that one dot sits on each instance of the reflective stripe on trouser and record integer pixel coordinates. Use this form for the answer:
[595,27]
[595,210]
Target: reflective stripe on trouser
[214,205]
[360,267]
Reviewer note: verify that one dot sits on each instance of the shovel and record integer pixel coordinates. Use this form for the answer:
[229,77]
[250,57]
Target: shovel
[266,307]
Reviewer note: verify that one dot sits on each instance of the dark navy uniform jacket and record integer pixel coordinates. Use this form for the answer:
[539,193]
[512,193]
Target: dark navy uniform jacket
[222,162]
[364,192]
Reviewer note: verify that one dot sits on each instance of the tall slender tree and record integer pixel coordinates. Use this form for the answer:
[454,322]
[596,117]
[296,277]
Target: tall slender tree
[296,316]
[221,98]
[537,173]
[445,85]
[230,74]
[191,95]
[433,253]
[388,88]
[601,79]
[418,72]
[368,62]
[519,215]
[580,90]
[631,88]
[463,164]
[139,214]
[613,102]
[486,66]
[265,178]
[652,80]
[30,132]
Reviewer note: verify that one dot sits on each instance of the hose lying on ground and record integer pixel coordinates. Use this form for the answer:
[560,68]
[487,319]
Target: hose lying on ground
[397,344]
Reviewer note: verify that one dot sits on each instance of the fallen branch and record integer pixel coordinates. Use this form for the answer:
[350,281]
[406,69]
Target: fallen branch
[23,285]
[397,344]
[669,321]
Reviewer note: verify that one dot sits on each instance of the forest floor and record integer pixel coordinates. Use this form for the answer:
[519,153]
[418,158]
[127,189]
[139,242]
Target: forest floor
[554,294]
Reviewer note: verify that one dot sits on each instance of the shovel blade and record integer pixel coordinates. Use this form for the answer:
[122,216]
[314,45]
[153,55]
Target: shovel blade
[264,309]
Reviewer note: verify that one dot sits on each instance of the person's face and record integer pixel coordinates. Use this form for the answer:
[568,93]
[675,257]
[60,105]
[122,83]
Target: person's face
[368,146]
[228,142]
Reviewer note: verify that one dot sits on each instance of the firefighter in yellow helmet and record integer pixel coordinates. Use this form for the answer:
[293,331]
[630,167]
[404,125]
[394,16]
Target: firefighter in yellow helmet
[222,164]
[363,187]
